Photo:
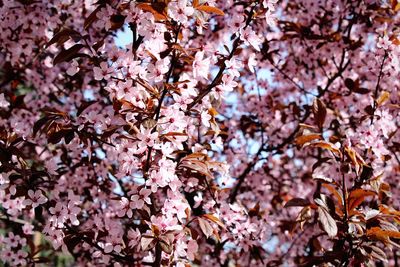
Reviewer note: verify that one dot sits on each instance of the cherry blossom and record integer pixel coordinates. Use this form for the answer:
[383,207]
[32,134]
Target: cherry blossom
[206,133]
[102,72]
[180,11]
[147,137]
[201,65]
[205,118]
[138,200]
[35,198]
[3,102]
[73,69]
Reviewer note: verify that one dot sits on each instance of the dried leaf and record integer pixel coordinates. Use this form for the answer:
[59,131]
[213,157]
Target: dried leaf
[175,134]
[198,166]
[319,110]
[304,215]
[357,196]
[336,193]
[165,244]
[376,233]
[148,87]
[149,123]
[328,223]
[356,159]
[215,233]
[214,219]
[383,98]
[205,227]
[117,21]
[157,9]
[378,253]
[303,139]
[395,5]
[321,178]
[297,202]
[147,242]
[210,9]
[384,190]
[188,212]
[307,126]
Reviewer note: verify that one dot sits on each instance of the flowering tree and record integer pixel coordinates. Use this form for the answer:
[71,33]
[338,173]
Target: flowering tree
[226,133]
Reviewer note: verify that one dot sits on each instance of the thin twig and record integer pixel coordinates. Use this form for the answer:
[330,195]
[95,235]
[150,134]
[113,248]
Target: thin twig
[218,77]
[377,88]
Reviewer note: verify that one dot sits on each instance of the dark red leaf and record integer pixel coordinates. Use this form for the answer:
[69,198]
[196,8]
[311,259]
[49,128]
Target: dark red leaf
[297,202]
[319,111]
[67,55]
[64,35]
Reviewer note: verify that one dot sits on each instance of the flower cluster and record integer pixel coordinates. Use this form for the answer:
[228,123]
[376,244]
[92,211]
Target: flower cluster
[248,133]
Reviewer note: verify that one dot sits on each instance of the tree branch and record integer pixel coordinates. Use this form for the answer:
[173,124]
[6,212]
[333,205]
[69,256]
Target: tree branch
[218,77]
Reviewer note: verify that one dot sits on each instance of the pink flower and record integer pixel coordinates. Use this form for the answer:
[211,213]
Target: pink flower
[20,258]
[385,122]
[110,247]
[270,4]
[236,22]
[177,140]
[3,102]
[180,11]
[192,248]
[137,201]
[59,214]
[384,43]
[146,137]
[35,198]
[155,180]
[205,118]
[104,72]
[124,208]
[197,200]
[182,101]
[252,62]
[174,183]
[201,66]
[7,255]
[156,72]
[270,17]
[228,83]
[14,206]
[103,15]
[123,88]
[173,120]
[134,237]
[73,69]
[250,38]
[72,209]
[165,223]
[167,149]
[56,236]
[27,229]
[12,240]
[156,46]
[233,66]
